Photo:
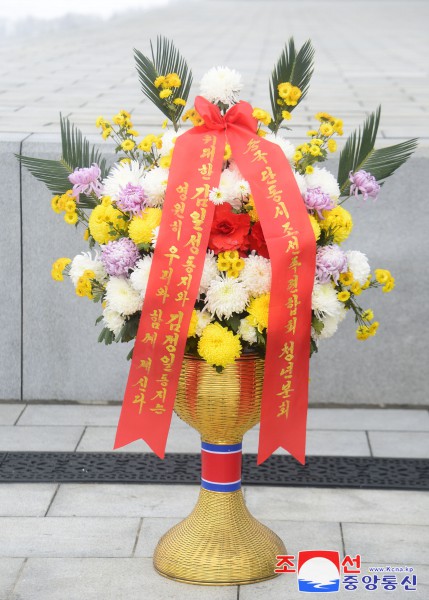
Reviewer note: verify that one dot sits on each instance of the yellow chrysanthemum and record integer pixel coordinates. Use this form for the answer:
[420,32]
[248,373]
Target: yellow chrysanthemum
[356,288]
[71,218]
[343,296]
[172,80]
[324,116]
[382,275]
[346,278]
[251,209]
[389,286]
[316,227]
[309,169]
[337,222]
[227,153]
[297,156]
[179,102]
[286,115]
[326,129]
[315,150]
[102,221]
[141,227]
[332,145]
[106,133]
[70,206]
[127,145]
[368,315]
[218,345]
[338,126]
[58,268]
[165,161]
[193,324]
[262,115]
[133,132]
[258,310]
[106,201]
[365,286]
[362,332]
[373,328]
[165,93]
[86,235]
[54,204]
[159,81]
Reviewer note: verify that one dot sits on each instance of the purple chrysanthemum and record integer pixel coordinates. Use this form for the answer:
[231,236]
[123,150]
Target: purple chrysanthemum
[316,200]
[119,256]
[330,262]
[364,183]
[131,199]
[86,180]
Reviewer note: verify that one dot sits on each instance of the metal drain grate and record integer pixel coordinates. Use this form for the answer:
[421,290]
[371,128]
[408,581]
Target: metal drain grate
[279,470]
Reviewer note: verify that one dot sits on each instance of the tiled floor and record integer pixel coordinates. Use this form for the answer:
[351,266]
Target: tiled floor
[95,541]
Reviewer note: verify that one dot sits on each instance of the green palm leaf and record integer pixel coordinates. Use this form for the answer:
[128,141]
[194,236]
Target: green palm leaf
[76,152]
[359,153]
[294,67]
[165,59]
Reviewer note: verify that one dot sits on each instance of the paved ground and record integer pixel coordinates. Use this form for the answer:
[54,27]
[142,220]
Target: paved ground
[367,52]
[95,541]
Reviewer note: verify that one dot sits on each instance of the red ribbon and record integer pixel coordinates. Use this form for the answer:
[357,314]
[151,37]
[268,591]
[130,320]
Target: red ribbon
[176,272]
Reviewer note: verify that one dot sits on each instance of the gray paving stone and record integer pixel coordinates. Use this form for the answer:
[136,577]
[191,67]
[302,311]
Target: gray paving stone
[38,439]
[151,532]
[101,439]
[345,505]
[106,500]
[107,579]
[67,536]
[9,569]
[321,443]
[25,499]
[368,419]
[399,443]
[10,412]
[69,415]
[406,544]
[10,268]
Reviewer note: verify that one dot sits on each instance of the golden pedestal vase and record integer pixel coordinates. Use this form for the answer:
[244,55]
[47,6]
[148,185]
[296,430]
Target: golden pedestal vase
[220,542]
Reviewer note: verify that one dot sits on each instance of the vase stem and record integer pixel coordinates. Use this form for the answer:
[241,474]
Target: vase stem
[221,467]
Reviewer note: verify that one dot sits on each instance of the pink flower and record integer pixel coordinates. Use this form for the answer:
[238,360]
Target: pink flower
[86,181]
[316,200]
[330,262]
[365,183]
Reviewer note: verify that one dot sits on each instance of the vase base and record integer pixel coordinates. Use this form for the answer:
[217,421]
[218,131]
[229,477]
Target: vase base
[220,543]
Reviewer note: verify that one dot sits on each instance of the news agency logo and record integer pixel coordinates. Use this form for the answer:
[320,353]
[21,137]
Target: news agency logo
[318,571]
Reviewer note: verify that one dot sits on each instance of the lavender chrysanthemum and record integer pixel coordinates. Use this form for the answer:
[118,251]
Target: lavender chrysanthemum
[316,200]
[86,180]
[364,183]
[119,256]
[330,262]
[132,199]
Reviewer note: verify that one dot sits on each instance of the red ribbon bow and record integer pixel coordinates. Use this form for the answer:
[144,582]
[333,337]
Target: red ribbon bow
[176,272]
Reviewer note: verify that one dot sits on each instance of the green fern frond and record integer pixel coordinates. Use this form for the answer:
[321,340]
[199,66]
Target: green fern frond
[359,153]
[165,59]
[76,152]
[294,67]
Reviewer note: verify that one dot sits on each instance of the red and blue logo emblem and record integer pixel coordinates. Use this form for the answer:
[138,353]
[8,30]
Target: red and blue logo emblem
[318,571]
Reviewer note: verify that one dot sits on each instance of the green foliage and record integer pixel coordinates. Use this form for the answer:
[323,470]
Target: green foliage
[359,153]
[129,329]
[165,59]
[294,67]
[76,152]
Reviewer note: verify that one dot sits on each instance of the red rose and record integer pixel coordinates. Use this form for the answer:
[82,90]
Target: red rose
[229,230]
[257,240]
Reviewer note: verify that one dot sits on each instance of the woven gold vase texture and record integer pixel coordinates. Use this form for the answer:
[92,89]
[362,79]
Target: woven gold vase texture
[220,542]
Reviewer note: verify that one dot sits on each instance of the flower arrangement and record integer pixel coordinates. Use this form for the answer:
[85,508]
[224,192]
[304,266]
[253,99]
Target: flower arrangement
[120,209]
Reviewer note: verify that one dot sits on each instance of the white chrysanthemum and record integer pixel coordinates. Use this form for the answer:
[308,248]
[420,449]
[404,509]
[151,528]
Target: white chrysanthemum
[358,265]
[120,175]
[154,239]
[217,196]
[301,182]
[233,187]
[154,185]
[325,180]
[225,296]
[330,326]
[121,297]
[85,262]
[287,147]
[210,272]
[203,319]
[168,140]
[113,320]
[140,275]
[256,275]
[221,84]
[324,300]
[247,332]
